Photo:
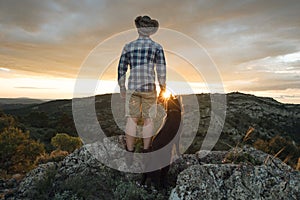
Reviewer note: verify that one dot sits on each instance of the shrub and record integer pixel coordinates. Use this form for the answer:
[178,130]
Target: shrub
[64,142]
[18,152]
[55,156]
[6,121]
[281,147]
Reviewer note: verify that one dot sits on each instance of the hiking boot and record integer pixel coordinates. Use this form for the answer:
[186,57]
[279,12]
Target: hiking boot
[129,158]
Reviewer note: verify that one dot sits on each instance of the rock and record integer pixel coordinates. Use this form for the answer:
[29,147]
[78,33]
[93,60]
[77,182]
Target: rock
[265,177]
[186,160]
[191,176]
[258,157]
[9,187]
[212,157]
[230,181]
[29,183]
[81,175]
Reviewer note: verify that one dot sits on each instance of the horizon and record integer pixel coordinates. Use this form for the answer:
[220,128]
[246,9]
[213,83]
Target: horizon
[255,45]
[227,93]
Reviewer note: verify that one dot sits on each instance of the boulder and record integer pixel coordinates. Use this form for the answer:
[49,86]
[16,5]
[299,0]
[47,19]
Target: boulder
[250,174]
[233,181]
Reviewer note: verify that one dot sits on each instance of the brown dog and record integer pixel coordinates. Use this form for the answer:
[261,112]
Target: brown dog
[169,131]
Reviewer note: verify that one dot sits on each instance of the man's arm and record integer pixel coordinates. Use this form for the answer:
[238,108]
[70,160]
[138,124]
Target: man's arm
[161,68]
[122,69]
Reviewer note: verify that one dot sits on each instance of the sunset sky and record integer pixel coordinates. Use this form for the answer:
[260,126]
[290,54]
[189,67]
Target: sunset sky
[254,44]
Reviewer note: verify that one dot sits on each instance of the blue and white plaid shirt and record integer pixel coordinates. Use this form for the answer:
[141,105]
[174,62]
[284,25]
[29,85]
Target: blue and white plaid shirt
[142,55]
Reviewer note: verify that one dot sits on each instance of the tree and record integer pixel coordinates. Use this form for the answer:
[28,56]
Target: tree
[6,121]
[64,142]
[37,119]
[66,124]
[18,152]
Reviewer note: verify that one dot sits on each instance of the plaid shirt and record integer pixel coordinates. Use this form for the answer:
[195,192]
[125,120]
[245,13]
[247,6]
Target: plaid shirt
[142,55]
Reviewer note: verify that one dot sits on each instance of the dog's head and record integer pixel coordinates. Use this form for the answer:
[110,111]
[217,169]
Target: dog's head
[172,104]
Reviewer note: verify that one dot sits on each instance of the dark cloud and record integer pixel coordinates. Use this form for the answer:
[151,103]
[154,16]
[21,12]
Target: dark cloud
[29,15]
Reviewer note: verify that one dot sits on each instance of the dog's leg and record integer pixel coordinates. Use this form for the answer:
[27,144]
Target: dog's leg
[146,163]
[155,178]
[144,178]
[163,176]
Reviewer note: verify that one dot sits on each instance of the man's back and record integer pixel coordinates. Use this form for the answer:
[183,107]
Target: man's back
[142,55]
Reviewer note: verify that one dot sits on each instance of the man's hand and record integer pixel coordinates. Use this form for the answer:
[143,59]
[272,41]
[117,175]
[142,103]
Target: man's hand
[160,98]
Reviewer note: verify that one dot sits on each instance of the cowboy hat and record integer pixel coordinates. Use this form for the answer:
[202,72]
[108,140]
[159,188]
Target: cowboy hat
[146,25]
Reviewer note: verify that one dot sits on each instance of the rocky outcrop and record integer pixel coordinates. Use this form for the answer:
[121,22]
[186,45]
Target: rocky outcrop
[81,175]
[257,176]
[36,180]
[232,181]
[238,174]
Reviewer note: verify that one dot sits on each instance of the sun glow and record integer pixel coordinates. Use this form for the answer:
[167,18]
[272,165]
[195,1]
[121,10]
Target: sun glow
[167,94]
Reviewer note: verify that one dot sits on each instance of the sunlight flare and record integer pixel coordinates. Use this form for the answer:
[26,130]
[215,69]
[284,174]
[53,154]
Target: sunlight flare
[167,94]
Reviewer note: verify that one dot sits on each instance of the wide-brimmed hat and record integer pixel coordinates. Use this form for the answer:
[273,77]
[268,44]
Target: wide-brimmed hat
[146,25]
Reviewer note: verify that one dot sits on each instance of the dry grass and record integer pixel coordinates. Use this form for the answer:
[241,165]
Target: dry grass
[298,165]
[248,134]
[277,154]
[287,159]
[273,157]
[236,153]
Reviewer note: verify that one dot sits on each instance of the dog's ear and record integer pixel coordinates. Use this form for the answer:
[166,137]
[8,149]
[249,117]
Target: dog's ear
[178,102]
[181,103]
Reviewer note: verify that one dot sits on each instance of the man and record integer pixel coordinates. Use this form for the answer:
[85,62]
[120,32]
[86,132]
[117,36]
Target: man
[142,56]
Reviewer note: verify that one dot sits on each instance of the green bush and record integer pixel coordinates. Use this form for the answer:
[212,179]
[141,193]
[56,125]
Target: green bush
[64,142]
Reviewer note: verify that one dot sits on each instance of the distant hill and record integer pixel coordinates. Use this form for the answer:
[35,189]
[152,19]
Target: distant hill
[268,117]
[16,103]
[20,101]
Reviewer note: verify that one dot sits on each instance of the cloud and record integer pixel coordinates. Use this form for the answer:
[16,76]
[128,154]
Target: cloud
[273,72]
[35,88]
[244,38]
[4,69]
[28,15]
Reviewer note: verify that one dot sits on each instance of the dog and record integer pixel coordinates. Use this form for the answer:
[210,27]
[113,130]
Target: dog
[169,131]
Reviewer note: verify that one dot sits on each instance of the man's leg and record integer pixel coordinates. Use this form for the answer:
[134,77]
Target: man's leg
[130,133]
[147,132]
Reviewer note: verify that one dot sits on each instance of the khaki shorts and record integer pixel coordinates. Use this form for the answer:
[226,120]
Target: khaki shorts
[140,104]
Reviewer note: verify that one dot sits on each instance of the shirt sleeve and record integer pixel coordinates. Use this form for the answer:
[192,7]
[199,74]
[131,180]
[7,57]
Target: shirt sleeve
[122,68]
[161,68]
